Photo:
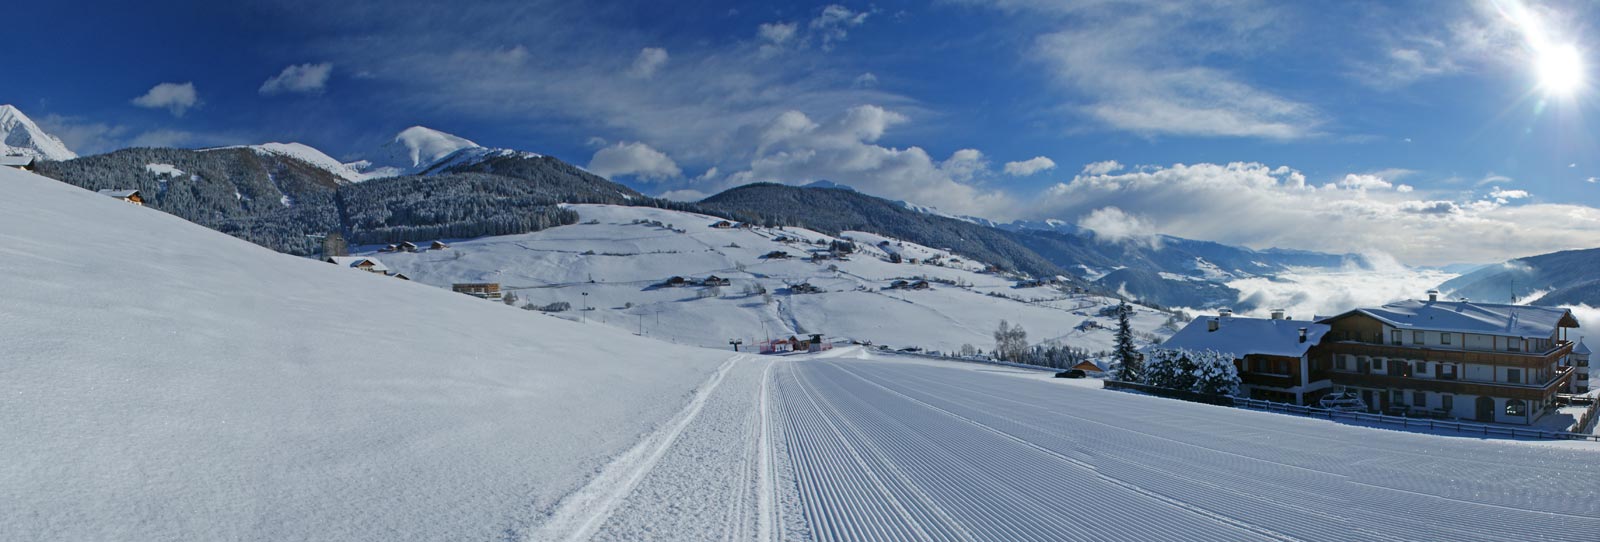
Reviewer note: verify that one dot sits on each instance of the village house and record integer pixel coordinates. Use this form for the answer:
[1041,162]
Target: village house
[1484,362]
[804,288]
[722,225]
[370,265]
[407,246]
[675,281]
[437,245]
[1275,356]
[130,196]
[24,163]
[776,255]
[714,280]
[485,290]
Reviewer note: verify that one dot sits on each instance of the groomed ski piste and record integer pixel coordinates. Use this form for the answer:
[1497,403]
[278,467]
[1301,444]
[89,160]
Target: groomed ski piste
[856,445]
[160,381]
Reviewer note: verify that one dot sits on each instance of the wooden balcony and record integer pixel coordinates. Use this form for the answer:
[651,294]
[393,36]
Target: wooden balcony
[1528,360]
[1531,392]
[1269,380]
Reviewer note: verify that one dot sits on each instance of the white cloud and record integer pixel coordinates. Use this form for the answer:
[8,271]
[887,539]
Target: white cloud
[1364,182]
[684,195]
[174,97]
[1262,206]
[299,79]
[775,37]
[633,159]
[1102,167]
[865,80]
[792,148]
[834,24]
[1145,70]
[1112,225]
[83,136]
[1030,166]
[650,60]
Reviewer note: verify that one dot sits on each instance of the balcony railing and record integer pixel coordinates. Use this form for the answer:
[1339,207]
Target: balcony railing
[1534,392]
[1532,360]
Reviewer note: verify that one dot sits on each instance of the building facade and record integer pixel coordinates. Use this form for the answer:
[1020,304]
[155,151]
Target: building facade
[1446,359]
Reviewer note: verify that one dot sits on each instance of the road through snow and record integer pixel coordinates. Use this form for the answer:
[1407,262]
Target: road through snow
[842,448]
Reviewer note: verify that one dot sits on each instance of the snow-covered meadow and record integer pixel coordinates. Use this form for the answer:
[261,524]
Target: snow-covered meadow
[619,259]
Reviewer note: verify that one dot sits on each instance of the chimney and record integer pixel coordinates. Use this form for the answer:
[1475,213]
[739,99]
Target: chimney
[1277,314]
[1433,295]
[1302,334]
[1213,324]
[1225,313]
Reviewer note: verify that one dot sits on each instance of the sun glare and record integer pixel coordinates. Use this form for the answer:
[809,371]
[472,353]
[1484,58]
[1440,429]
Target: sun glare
[1560,70]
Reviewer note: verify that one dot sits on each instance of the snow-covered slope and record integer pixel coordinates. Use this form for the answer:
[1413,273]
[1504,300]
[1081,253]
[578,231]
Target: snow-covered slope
[619,256]
[162,381]
[20,136]
[309,155]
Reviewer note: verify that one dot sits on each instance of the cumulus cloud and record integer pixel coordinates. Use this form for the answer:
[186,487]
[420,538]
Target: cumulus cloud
[633,159]
[1112,225]
[298,79]
[1102,167]
[793,148]
[650,60]
[1263,206]
[177,98]
[834,24]
[1030,166]
[865,80]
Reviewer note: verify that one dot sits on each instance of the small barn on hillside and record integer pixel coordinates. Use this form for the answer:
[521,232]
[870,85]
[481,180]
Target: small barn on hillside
[24,163]
[130,196]
[485,290]
[370,265]
[437,245]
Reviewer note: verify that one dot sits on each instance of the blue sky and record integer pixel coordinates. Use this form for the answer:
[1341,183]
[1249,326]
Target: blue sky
[1425,130]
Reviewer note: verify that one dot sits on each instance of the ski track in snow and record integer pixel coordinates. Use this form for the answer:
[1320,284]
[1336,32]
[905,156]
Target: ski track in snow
[835,448]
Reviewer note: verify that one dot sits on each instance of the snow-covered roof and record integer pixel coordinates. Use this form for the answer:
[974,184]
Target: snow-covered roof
[354,261]
[1580,348]
[14,161]
[1241,336]
[1467,317]
[118,193]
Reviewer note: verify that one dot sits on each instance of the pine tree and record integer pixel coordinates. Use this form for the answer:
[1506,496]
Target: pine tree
[1126,354]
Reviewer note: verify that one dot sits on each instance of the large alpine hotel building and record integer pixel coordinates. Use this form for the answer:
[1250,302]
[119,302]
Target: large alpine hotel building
[1475,361]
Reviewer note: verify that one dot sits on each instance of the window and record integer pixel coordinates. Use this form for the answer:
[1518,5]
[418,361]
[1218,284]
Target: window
[1422,368]
[1515,407]
[1416,337]
[1377,364]
[1397,397]
[1514,376]
[1514,344]
[1447,402]
[1444,338]
[1583,376]
[1394,336]
[1341,363]
[1419,399]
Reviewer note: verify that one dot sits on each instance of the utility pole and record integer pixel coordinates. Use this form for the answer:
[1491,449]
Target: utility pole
[736,343]
[586,307]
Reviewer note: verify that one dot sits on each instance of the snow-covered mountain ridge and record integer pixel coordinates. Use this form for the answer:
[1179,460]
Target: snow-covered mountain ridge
[19,135]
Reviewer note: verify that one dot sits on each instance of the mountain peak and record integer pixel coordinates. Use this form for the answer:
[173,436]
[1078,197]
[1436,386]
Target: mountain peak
[420,146]
[20,136]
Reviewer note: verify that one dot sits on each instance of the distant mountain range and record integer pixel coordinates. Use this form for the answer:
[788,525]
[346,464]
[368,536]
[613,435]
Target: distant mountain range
[1569,277]
[425,183]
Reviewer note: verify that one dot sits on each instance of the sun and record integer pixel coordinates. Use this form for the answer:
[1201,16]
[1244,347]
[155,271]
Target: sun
[1560,69]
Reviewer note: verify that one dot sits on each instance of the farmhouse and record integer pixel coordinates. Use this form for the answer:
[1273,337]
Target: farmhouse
[486,290]
[675,281]
[371,265]
[776,255]
[722,225]
[24,163]
[130,196]
[407,246]
[437,245]
[714,280]
[1274,355]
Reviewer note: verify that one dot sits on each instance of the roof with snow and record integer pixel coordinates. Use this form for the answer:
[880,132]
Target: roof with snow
[1241,336]
[355,261]
[1581,348]
[1467,317]
[15,161]
[124,194]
